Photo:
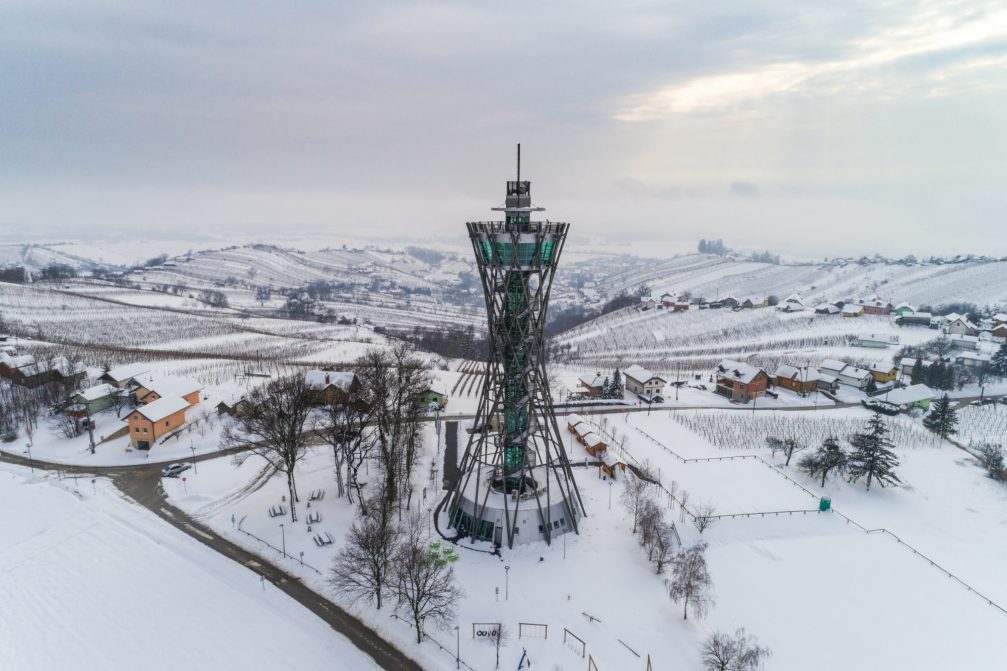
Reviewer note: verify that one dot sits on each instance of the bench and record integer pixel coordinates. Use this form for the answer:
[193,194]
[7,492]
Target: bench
[277,511]
[324,538]
[317,495]
[314,518]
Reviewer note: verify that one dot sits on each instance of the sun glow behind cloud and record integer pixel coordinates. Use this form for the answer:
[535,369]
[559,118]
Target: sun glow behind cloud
[929,33]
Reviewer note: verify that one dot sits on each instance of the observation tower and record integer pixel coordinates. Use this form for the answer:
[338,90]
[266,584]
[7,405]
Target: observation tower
[516,484]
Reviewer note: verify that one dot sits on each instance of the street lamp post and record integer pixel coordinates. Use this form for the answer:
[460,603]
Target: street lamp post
[195,469]
[283,537]
[31,464]
[506,583]
[610,483]
[458,647]
[302,558]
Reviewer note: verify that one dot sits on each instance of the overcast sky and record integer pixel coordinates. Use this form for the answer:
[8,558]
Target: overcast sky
[804,127]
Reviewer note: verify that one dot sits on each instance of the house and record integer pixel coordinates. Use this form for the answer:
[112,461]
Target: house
[591,385]
[149,422]
[1000,318]
[803,380]
[1000,331]
[4,337]
[643,383]
[572,421]
[678,306]
[95,399]
[791,303]
[961,326]
[903,309]
[149,388]
[852,310]
[27,371]
[884,372]
[826,309]
[913,396]
[594,444]
[964,341]
[876,306]
[847,374]
[915,319]
[907,364]
[647,302]
[234,406]
[122,376]
[728,301]
[669,299]
[431,398]
[740,382]
[876,341]
[328,387]
[972,359]
[754,302]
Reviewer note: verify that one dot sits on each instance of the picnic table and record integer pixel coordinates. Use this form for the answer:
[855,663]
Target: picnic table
[322,539]
[317,495]
[277,511]
[314,517]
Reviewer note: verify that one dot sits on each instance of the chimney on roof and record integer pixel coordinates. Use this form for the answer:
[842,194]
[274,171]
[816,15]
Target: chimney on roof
[326,378]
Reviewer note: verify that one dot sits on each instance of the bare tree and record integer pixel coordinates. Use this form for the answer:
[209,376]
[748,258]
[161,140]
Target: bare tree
[690,581]
[665,545]
[651,518]
[740,652]
[706,515]
[683,502]
[365,565]
[274,427]
[394,381]
[500,640]
[345,429]
[636,492]
[789,447]
[425,580]
[65,424]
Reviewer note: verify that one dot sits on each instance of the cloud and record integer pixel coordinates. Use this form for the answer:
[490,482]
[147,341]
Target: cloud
[930,32]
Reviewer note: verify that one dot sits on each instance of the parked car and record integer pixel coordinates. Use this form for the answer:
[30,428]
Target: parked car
[174,470]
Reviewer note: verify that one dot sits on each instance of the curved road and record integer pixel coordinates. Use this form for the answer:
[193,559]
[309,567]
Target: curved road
[143,485]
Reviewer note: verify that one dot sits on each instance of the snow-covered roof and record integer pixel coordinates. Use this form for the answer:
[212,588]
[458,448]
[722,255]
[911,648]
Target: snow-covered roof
[882,367]
[911,394]
[964,321]
[976,356]
[738,371]
[593,439]
[320,379]
[918,315]
[793,298]
[1000,317]
[833,364]
[826,307]
[96,392]
[855,373]
[804,373]
[127,372]
[955,337]
[162,407]
[592,380]
[849,309]
[911,307]
[874,337]
[574,419]
[640,374]
[168,386]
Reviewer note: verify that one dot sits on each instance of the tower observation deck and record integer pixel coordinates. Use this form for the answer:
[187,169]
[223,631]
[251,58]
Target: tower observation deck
[517,485]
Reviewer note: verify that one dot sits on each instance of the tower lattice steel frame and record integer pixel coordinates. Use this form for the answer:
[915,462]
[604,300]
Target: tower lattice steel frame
[515,470]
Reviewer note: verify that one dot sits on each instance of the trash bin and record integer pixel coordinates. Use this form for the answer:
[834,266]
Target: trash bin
[825,503]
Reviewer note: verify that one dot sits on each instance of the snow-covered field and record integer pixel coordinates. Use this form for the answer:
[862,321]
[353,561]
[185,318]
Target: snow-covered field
[93,582]
[802,582]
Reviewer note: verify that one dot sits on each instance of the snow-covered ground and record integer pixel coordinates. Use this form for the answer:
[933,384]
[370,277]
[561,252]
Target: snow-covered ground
[93,582]
[802,582]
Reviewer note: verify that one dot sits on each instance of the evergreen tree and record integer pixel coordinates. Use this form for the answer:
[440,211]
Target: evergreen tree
[871,456]
[942,419]
[616,384]
[827,458]
[606,388]
[999,361]
[918,375]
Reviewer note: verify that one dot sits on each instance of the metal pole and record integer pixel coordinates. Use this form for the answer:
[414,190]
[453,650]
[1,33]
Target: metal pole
[195,469]
[610,483]
[283,536]
[458,647]
[31,464]
[506,583]
[564,546]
